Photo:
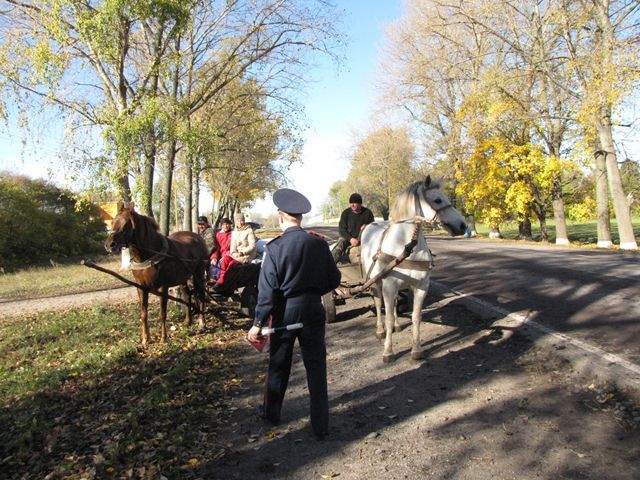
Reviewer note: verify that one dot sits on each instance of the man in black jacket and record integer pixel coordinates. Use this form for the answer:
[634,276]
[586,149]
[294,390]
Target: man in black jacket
[352,221]
[296,271]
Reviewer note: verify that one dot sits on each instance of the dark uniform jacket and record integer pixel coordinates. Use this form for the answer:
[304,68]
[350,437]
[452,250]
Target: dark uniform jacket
[351,223]
[296,263]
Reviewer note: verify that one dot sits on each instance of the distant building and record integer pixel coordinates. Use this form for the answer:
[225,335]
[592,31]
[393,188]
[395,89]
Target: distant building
[108,212]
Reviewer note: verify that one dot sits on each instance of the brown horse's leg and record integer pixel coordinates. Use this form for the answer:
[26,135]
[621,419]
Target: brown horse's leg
[184,294]
[163,313]
[198,286]
[143,297]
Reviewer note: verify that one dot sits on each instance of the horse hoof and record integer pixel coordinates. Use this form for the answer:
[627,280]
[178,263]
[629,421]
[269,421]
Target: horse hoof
[417,355]
[388,358]
[380,335]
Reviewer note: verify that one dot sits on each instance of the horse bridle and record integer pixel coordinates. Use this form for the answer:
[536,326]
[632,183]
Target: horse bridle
[127,233]
[128,240]
[436,210]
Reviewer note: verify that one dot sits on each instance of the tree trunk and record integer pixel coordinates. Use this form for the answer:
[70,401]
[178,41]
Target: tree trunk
[188,198]
[471,225]
[562,233]
[176,213]
[195,205]
[524,229]
[603,124]
[167,180]
[602,201]
[544,232]
[620,205]
[124,190]
[150,150]
[147,177]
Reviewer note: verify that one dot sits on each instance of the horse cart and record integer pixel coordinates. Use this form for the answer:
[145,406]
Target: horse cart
[241,285]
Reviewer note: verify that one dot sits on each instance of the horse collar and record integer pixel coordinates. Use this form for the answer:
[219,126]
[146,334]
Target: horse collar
[155,260]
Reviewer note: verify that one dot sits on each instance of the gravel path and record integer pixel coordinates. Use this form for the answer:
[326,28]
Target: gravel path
[471,410]
[63,302]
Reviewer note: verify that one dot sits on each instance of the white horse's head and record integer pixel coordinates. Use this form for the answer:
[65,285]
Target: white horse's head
[425,199]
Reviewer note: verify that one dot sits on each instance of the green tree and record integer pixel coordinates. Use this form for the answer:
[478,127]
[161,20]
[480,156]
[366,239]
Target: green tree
[383,164]
[39,221]
[96,60]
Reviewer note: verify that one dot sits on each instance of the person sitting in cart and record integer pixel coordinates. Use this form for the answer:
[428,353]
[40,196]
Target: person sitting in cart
[222,248]
[352,222]
[242,249]
[207,233]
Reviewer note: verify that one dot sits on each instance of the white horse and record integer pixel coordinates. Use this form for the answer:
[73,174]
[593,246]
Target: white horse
[383,241]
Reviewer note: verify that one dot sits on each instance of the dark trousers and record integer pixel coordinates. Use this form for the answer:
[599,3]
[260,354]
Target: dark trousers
[314,355]
[339,248]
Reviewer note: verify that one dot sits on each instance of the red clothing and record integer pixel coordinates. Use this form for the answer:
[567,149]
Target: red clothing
[227,262]
[223,244]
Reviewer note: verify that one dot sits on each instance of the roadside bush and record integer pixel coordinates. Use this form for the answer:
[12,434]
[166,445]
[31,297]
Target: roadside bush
[39,221]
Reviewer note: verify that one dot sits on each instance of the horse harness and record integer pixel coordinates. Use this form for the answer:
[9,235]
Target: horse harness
[419,265]
[155,260]
[158,257]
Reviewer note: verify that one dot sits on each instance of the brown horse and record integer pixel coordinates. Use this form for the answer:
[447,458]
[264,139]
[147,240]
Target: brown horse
[160,262]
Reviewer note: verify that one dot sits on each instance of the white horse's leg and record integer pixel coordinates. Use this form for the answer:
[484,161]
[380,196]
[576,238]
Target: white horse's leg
[379,323]
[377,301]
[396,324]
[419,294]
[389,294]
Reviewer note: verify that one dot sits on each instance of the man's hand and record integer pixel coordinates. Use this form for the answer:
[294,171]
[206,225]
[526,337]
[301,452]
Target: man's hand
[354,242]
[254,334]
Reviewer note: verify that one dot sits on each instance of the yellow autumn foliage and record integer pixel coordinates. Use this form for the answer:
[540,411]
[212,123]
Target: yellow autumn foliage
[501,180]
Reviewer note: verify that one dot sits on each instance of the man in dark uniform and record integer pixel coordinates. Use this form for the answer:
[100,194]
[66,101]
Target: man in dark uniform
[352,221]
[296,271]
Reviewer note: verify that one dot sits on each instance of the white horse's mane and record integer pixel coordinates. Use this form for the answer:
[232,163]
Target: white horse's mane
[404,205]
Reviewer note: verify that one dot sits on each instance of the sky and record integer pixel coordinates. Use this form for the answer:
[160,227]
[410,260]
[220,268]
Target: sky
[339,101]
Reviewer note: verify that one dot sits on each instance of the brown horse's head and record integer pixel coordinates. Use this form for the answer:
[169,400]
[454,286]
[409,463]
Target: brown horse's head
[123,232]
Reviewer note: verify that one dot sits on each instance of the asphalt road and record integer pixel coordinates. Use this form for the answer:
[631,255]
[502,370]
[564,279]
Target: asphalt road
[589,295]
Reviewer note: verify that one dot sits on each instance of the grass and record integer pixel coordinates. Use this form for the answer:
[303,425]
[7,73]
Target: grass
[63,279]
[79,399]
[580,233]
[36,282]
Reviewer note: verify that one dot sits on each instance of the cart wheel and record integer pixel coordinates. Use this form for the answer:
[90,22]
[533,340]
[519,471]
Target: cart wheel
[248,300]
[329,307]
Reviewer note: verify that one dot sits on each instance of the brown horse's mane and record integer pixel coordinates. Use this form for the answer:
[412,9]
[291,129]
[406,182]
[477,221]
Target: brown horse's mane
[146,228]
[404,205]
